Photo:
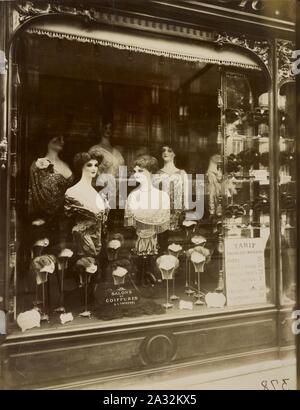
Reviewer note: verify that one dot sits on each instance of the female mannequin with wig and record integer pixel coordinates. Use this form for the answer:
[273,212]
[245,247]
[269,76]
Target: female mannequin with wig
[49,179]
[174,181]
[111,158]
[217,185]
[214,178]
[88,213]
[87,207]
[148,211]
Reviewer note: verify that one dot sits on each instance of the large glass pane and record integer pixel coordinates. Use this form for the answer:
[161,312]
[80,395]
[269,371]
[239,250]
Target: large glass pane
[195,133]
[246,189]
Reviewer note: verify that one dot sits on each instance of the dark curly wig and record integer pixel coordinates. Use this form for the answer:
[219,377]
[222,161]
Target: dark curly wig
[80,159]
[169,145]
[44,133]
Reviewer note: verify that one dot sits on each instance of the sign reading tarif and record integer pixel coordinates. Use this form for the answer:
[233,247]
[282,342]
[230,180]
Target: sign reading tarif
[245,271]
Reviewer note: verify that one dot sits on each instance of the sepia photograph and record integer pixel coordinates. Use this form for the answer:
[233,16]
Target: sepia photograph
[148,197]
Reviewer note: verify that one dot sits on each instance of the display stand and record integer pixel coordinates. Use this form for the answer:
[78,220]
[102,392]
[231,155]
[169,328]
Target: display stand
[87,268]
[189,227]
[198,260]
[62,266]
[36,251]
[167,264]
[174,250]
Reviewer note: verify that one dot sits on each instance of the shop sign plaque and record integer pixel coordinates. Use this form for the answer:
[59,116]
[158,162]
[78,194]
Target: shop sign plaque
[245,271]
[121,297]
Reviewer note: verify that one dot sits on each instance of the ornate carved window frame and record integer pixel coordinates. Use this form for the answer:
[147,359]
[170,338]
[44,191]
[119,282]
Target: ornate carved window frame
[284,54]
[27,10]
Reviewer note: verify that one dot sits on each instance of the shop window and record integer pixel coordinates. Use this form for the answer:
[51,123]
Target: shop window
[72,255]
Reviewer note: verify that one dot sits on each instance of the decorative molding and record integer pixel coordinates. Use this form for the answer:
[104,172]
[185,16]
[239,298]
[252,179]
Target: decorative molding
[261,48]
[28,9]
[284,54]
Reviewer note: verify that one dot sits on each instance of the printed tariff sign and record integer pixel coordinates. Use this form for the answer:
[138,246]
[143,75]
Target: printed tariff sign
[245,271]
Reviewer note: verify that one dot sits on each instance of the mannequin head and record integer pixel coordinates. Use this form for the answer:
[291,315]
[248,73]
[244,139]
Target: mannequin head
[214,162]
[215,159]
[107,131]
[168,154]
[86,164]
[56,144]
[48,142]
[144,167]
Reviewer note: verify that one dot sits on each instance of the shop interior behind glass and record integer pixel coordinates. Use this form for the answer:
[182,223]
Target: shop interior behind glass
[72,89]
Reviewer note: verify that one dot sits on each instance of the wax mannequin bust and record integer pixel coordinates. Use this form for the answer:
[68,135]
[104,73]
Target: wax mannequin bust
[148,210]
[49,179]
[168,156]
[173,181]
[111,157]
[84,192]
[214,186]
[54,148]
[87,207]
